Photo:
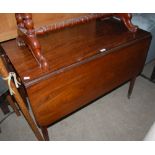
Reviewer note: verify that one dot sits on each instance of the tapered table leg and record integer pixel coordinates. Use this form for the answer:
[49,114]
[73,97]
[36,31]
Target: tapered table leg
[132,82]
[4,106]
[12,104]
[153,75]
[45,133]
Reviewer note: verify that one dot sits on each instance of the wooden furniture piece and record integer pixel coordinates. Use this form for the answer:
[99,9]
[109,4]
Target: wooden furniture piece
[20,102]
[153,75]
[6,98]
[4,105]
[27,34]
[75,65]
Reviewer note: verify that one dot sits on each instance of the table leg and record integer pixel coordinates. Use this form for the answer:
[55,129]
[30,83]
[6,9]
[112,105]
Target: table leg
[12,104]
[132,82]
[153,75]
[45,133]
[20,102]
[4,107]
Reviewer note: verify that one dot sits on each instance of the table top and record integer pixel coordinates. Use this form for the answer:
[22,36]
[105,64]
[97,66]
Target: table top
[64,48]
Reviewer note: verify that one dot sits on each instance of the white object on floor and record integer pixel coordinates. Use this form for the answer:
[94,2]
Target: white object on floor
[150,136]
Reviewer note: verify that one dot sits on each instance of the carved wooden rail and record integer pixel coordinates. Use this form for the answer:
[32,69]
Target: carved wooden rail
[27,34]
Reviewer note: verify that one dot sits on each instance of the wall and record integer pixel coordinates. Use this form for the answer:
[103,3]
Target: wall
[8,22]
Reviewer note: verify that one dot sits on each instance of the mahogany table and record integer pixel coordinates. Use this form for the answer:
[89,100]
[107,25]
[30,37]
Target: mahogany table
[85,62]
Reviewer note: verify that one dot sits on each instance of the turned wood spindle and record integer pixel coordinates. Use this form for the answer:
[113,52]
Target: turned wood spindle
[19,20]
[28,23]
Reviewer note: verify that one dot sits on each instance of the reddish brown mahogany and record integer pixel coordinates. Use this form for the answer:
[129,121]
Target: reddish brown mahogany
[84,62]
[27,33]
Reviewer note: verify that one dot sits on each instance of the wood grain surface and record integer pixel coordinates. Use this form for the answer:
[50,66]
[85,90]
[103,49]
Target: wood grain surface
[85,62]
[78,67]
[71,45]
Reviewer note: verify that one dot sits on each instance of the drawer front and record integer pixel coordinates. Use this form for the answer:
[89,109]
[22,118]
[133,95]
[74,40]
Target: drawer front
[67,91]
